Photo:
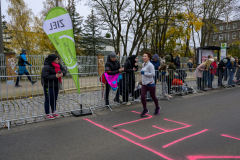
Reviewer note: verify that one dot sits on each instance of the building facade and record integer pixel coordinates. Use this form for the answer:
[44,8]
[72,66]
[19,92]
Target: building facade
[225,32]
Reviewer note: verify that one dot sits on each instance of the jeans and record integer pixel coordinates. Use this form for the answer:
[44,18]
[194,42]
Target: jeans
[210,80]
[51,95]
[18,78]
[230,74]
[107,94]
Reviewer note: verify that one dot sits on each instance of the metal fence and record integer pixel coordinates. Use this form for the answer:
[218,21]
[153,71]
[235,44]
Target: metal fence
[20,105]
[87,64]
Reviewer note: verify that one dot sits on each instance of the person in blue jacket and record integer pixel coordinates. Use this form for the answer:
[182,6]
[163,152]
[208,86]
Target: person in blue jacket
[156,63]
[22,67]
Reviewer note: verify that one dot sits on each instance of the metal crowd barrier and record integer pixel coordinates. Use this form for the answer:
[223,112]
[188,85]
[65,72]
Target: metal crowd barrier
[20,105]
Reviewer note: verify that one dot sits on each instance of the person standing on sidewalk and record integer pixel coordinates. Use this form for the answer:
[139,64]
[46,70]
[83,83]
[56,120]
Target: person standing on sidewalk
[170,69]
[213,70]
[148,84]
[130,66]
[156,64]
[112,67]
[52,74]
[22,62]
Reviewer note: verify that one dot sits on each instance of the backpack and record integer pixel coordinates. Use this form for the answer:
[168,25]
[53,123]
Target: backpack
[102,79]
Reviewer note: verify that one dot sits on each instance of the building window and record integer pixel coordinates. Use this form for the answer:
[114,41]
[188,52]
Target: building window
[220,37]
[235,25]
[234,35]
[221,27]
[214,38]
[228,27]
[227,36]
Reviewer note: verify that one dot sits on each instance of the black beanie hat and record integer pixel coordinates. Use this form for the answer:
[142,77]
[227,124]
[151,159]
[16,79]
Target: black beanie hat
[51,58]
[132,59]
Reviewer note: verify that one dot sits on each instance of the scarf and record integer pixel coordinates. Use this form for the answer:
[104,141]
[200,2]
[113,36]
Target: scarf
[57,68]
[112,80]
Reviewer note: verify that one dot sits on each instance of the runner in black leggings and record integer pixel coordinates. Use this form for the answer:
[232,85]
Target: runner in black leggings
[148,84]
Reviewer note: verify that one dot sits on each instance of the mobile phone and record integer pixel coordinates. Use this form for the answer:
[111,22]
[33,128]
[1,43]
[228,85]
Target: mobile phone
[59,72]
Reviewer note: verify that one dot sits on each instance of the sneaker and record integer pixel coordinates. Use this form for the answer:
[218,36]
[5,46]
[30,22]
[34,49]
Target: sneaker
[118,101]
[128,104]
[55,114]
[50,117]
[157,110]
[144,112]
[33,82]
[18,86]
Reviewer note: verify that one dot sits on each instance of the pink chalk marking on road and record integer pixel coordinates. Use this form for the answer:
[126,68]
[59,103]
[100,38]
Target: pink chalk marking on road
[138,144]
[181,139]
[164,130]
[211,157]
[149,116]
[224,135]
[172,129]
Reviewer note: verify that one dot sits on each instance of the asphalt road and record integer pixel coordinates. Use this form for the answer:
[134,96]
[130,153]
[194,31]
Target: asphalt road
[194,127]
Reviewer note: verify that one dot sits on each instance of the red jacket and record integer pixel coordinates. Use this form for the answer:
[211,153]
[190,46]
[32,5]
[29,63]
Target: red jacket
[214,68]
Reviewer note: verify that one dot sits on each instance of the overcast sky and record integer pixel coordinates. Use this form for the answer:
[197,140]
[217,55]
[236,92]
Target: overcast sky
[37,5]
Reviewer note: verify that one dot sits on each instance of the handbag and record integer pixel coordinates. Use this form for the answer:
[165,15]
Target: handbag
[177,82]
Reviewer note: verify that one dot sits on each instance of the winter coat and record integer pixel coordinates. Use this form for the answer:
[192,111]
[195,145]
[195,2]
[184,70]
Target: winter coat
[177,62]
[129,77]
[171,66]
[221,65]
[112,66]
[49,75]
[156,64]
[23,60]
[213,67]
[190,64]
[199,70]
[229,65]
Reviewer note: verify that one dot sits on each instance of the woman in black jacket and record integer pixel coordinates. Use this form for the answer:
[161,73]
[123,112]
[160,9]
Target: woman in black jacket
[52,74]
[112,67]
[130,66]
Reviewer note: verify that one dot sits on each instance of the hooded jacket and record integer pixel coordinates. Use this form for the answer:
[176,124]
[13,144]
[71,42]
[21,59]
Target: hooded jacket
[112,67]
[49,75]
[23,60]
[222,64]
[170,65]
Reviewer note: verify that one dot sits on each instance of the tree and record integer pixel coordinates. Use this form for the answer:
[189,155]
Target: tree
[211,11]
[92,38]
[76,23]
[6,36]
[20,26]
[128,20]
